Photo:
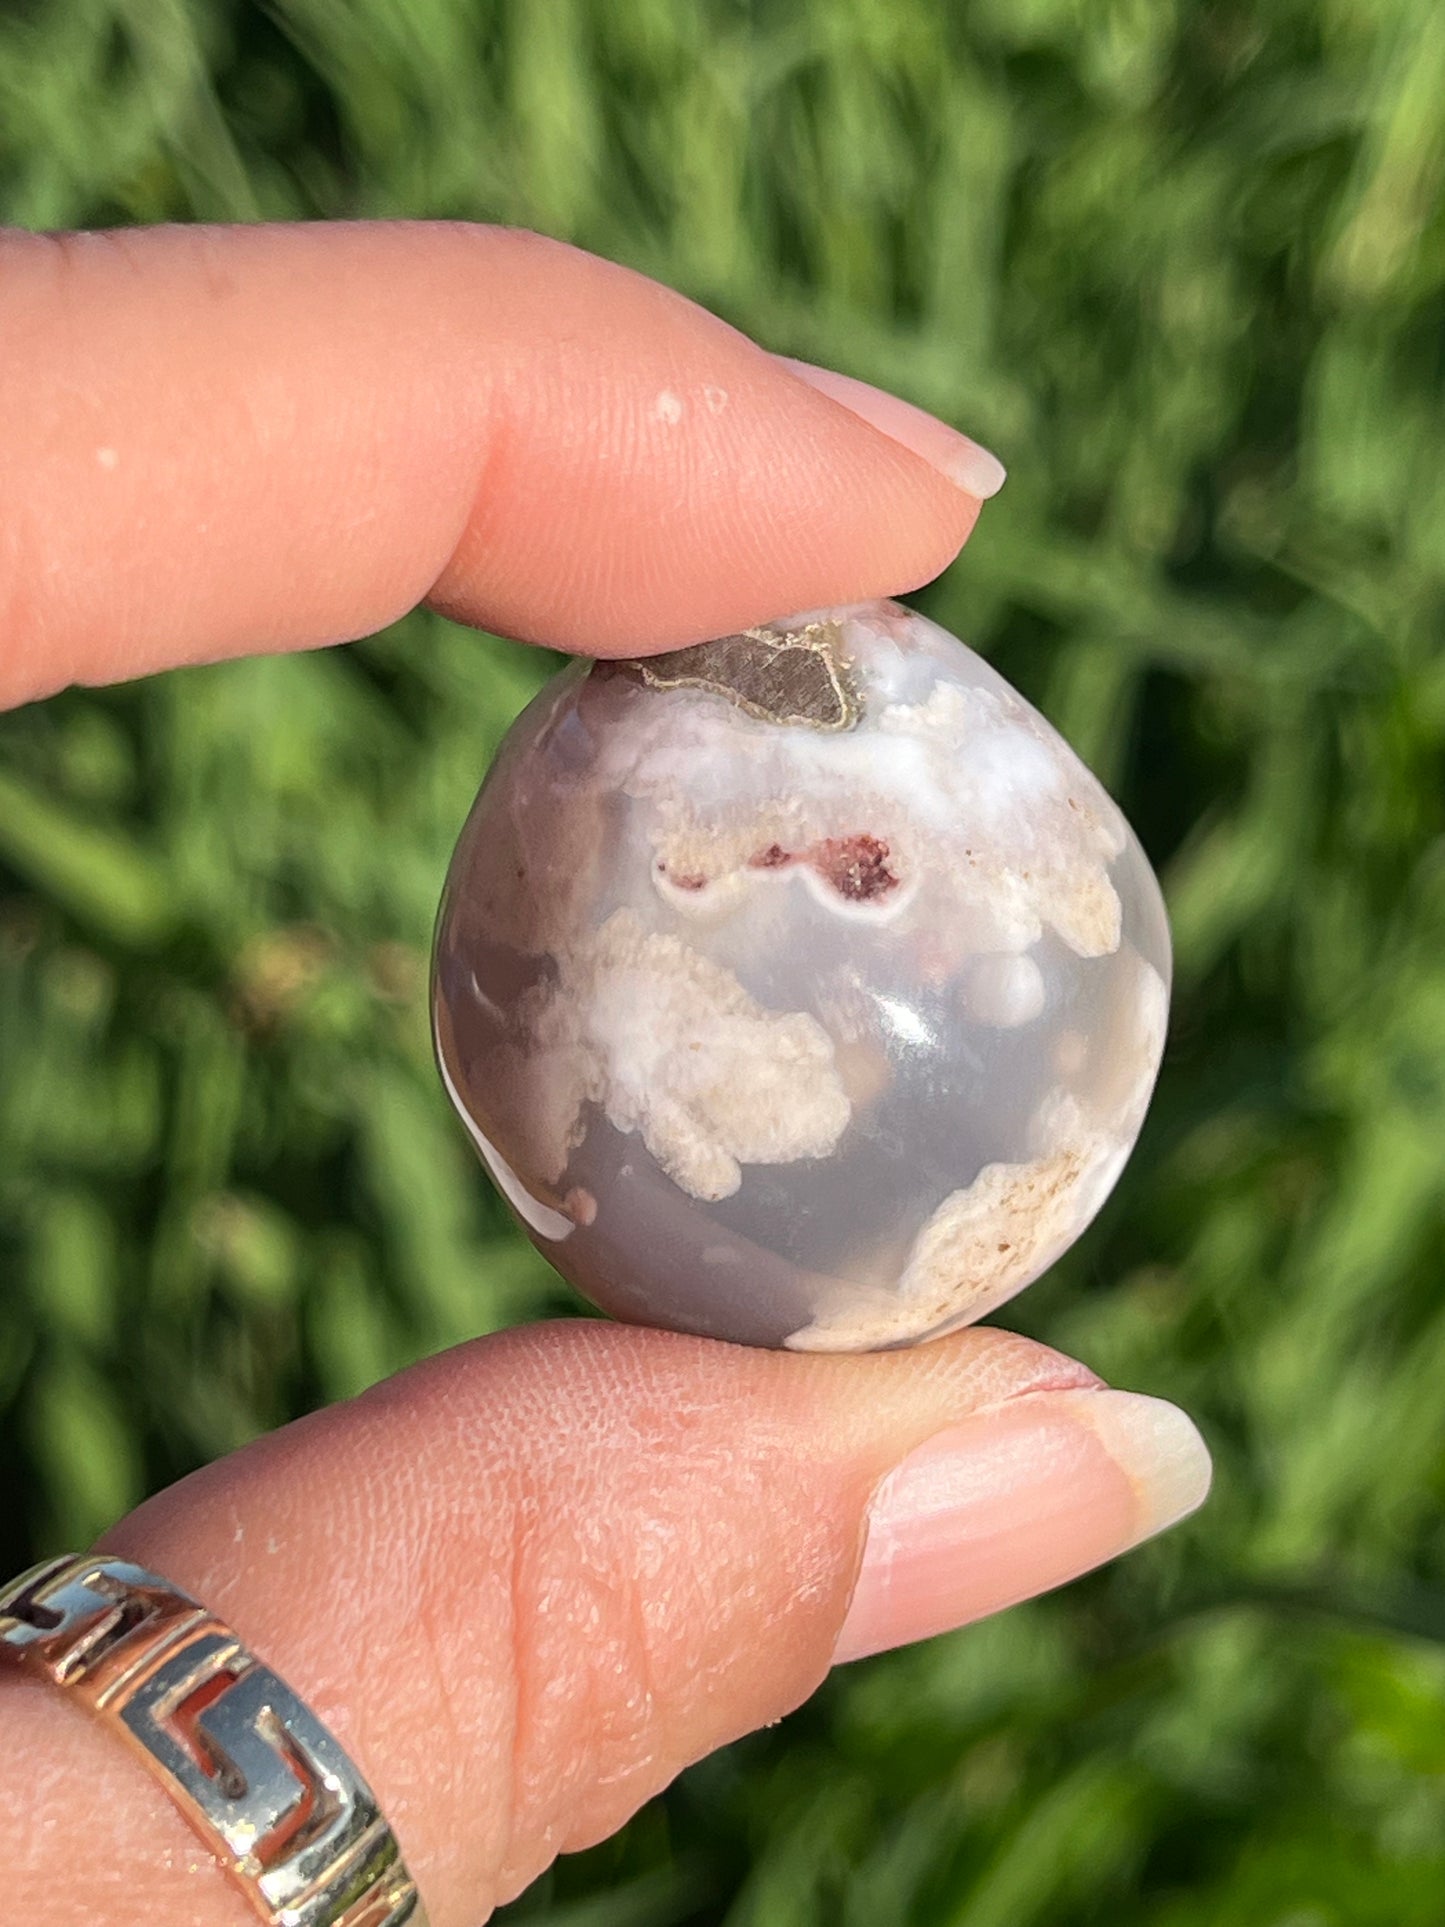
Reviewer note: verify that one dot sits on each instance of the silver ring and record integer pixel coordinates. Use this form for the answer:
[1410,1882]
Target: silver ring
[263,1782]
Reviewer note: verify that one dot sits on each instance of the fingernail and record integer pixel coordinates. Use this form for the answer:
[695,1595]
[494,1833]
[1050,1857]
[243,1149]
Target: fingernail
[1016,1500]
[966,464]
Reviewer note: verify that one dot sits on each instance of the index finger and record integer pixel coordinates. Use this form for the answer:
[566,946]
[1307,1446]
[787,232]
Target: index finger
[228,440]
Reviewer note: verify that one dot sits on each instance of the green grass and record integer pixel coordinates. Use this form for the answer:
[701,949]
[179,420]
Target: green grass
[1184,267]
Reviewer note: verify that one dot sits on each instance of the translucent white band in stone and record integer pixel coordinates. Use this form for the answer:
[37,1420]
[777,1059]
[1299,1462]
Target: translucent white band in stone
[259,1777]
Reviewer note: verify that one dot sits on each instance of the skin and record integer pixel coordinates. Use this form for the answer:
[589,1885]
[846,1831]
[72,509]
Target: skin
[527,1581]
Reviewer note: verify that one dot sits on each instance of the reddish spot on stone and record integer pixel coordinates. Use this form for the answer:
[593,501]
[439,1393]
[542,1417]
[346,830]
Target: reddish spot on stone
[683,883]
[856,866]
[773,858]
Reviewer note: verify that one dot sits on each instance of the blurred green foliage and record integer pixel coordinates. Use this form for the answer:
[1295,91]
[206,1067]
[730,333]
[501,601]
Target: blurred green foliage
[1184,266]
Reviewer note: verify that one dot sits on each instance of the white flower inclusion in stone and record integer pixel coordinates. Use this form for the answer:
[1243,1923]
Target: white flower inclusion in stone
[801,988]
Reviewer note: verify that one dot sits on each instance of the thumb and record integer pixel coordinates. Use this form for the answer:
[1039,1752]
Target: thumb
[526,1582]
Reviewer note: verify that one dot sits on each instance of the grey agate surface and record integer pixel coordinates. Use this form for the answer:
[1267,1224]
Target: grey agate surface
[801,988]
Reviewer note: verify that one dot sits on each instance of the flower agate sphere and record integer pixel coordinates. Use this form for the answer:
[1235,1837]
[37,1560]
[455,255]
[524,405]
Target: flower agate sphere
[801,988]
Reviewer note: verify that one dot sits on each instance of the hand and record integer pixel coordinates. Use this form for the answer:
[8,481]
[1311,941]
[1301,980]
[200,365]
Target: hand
[527,1581]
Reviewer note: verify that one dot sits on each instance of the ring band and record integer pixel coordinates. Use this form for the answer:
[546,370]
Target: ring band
[264,1783]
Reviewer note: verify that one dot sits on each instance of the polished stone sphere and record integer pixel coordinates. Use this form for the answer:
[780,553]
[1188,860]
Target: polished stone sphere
[801,988]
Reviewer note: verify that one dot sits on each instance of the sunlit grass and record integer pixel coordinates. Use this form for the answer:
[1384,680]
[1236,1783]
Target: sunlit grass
[1183,268]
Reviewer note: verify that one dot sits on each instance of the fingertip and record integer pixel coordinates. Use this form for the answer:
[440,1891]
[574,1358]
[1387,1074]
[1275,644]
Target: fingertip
[693,490]
[965,463]
[1014,1500]
[632,1546]
[225,441]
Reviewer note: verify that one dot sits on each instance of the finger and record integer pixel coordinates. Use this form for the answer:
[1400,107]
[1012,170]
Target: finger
[226,440]
[526,1582]
[973,468]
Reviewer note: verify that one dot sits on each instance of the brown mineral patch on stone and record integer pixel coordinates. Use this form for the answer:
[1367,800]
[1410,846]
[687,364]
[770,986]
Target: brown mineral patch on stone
[856,866]
[712,846]
[772,858]
[979,1247]
[859,866]
[986,1238]
[791,676]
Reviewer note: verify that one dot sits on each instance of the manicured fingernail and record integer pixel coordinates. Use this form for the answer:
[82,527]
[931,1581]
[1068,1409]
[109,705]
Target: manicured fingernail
[1016,1500]
[965,463]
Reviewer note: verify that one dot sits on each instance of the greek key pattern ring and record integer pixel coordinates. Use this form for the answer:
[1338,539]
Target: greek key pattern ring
[263,1782]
